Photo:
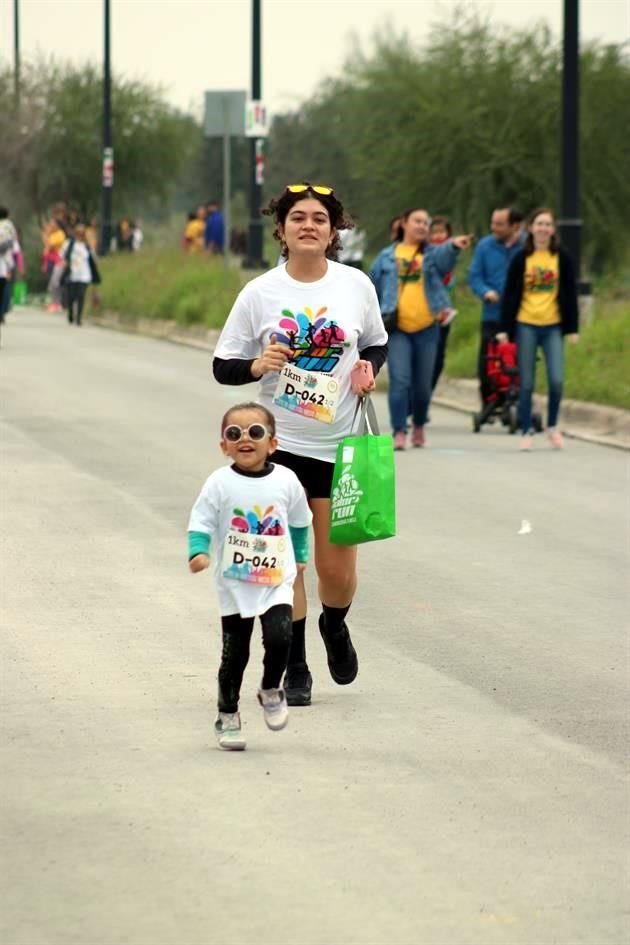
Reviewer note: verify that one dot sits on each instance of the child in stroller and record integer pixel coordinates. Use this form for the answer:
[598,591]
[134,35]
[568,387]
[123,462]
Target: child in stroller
[502,380]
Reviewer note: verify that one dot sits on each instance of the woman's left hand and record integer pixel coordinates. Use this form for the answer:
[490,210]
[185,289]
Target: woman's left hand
[362,378]
[462,242]
[573,338]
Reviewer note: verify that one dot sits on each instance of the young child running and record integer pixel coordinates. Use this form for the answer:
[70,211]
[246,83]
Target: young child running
[257,516]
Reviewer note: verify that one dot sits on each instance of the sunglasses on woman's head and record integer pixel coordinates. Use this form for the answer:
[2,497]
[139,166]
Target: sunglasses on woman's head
[316,188]
[255,431]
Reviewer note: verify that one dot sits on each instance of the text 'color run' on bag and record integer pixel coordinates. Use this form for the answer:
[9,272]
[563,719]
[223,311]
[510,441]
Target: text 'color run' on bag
[363,498]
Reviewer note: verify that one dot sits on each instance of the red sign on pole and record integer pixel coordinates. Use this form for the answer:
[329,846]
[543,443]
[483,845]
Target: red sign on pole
[260,163]
[108,167]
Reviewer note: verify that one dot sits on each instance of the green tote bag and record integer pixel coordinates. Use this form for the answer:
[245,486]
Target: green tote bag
[363,500]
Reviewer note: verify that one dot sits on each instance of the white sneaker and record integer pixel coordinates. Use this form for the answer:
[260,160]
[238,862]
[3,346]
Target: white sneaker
[274,703]
[227,728]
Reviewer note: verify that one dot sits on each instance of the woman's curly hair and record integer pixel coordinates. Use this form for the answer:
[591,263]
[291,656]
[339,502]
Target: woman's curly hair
[278,208]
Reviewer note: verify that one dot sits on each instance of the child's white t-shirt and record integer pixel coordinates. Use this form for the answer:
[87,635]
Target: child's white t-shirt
[247,517]
[326,323]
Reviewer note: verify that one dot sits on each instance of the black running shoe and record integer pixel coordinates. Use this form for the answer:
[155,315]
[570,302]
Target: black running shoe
[297,685]
[342,657]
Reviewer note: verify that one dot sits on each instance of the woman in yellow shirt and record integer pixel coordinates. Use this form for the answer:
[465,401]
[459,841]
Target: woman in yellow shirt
[408,276]
[539,306]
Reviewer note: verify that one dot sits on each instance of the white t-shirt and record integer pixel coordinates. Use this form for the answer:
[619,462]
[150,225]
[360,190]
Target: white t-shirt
[79,261]
[248,519]
[326,323]
[352,245]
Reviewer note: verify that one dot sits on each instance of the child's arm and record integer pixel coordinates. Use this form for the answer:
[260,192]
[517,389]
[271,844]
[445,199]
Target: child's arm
[198,551]
[299,540]
[202,524]
[300,518]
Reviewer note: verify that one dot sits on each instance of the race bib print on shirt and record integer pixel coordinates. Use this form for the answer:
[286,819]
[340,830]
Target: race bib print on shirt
[305,385]
[255,548]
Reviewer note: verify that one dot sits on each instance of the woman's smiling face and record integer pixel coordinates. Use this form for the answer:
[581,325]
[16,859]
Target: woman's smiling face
[416,226]
[306,229]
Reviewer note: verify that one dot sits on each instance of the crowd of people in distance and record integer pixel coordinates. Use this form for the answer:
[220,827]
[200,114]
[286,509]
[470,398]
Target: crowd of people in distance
[70,248]
[205,230]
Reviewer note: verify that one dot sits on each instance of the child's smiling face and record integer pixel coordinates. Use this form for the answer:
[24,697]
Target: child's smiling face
[250,451]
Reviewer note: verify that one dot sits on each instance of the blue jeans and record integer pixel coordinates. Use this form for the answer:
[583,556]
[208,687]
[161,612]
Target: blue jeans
[528,339]
[410,361]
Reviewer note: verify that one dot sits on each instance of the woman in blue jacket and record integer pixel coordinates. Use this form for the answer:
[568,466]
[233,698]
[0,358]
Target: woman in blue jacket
[408,276]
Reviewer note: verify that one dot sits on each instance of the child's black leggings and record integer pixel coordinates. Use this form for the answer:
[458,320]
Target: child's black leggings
[237,633]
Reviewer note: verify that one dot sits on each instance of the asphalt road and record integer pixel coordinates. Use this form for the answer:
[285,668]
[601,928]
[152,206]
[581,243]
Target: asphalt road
[469,789]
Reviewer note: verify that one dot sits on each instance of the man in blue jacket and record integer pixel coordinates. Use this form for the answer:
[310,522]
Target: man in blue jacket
[486,276]
[214,236]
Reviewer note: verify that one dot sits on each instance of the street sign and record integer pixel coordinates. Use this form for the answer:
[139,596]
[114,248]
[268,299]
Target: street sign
[224,114]
[256,122]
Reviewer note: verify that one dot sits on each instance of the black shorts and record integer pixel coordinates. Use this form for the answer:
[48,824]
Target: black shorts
[315,474]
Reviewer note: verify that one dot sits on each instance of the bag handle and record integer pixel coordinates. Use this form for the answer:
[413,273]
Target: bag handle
[368,423]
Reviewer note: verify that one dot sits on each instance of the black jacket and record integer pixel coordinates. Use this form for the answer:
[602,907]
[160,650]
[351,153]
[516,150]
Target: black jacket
[567,293]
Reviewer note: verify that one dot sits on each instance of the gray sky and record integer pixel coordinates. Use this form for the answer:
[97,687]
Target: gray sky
[187,46]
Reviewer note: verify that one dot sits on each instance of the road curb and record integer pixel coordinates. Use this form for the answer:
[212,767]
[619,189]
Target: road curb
[594,423]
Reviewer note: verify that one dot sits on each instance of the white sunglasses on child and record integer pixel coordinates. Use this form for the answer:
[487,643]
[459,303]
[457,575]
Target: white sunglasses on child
[255,431]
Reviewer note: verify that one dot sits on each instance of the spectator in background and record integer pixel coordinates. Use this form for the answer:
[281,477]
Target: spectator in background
[194,232]
[137,237]
[394,228]
[54,236]
[92,235]
[352,247]
[440,230]
[408,278]
[80,270]
[9,247]
[539,307]
[486,277]
[124,235]
[214,235]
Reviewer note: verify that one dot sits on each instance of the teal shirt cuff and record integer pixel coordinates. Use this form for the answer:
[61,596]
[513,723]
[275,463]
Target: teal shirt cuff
[198,544]
[299,538]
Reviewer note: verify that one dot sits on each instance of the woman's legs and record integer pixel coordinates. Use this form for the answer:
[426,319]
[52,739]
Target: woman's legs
[237,633]
[527,344]
[425,345]
[399,366]
[552,344]
[336,567]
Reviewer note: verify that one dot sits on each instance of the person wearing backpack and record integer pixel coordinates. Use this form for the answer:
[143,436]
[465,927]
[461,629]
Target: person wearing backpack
[80,272]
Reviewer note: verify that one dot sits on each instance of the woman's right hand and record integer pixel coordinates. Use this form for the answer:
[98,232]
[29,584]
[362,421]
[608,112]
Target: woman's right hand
[272,360]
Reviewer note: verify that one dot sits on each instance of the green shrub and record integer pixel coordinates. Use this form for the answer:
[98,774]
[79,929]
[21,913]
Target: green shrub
[169,284]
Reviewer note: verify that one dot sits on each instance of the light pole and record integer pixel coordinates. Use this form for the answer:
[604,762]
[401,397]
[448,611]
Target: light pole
[254,258]
[16,52]
[570,222]
[108,151]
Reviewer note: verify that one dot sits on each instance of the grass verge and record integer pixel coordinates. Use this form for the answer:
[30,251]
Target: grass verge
[196,290]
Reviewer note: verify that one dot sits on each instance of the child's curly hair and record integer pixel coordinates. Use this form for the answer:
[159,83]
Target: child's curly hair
[278,208]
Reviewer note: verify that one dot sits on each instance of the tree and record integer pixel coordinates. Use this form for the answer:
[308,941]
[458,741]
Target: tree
[52,150]
[467,122]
